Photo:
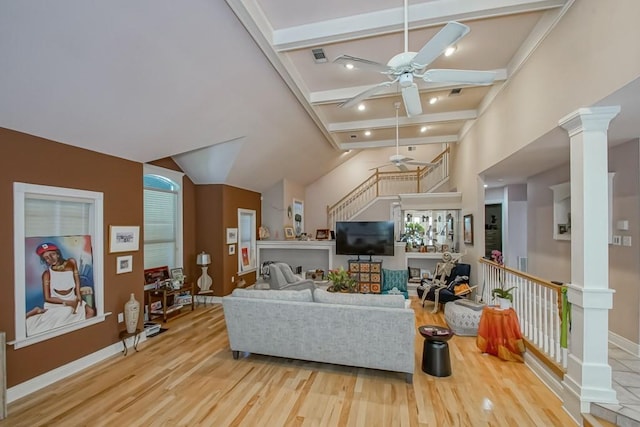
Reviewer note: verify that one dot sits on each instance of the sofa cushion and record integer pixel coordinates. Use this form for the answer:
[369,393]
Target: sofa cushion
[287,273]
[304,295]
[370,300]
[394,279]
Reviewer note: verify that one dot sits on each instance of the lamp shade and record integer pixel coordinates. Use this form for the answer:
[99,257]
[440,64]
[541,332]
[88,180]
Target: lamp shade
[203,259]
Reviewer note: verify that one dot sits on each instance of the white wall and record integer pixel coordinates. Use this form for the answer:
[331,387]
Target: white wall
[624,270]
[274,213]
[515,226]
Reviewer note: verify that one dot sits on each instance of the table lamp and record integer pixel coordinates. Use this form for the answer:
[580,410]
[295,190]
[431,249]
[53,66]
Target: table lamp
[204,281]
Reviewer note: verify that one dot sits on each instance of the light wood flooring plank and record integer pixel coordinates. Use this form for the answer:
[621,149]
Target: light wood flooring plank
[187,376]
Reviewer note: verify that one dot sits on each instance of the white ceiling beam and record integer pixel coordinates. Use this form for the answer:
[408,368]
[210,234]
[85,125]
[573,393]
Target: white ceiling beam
[447,139]
[339,95]
[392,20]
[403,121]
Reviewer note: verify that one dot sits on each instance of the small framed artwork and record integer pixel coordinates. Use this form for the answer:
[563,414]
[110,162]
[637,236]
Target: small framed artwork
[177,273]
[467,229]
[444,248]
[232,249]
[322,234]
[289,234]
[124,264]
[232,235]
[123,238]
[432,248]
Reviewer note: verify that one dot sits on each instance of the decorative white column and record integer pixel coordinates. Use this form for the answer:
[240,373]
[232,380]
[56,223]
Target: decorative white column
[588,377]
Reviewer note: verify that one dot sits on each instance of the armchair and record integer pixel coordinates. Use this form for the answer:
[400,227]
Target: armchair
[281,277]
[448,284]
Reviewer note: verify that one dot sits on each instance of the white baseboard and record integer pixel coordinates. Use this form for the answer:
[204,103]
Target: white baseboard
[625,344]
[34,384]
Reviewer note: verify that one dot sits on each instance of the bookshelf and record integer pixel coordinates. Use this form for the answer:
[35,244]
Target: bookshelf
[169,303]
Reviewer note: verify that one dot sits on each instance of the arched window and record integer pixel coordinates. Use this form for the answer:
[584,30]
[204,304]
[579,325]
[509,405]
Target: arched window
[162,217]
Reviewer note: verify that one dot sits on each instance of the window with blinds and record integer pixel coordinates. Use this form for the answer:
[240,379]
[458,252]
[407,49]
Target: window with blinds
[162,222]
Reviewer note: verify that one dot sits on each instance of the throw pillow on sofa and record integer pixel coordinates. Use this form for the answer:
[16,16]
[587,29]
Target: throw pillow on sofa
[394,279]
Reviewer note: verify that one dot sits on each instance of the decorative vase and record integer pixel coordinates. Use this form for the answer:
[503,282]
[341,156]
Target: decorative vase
[131,313]
[504,303]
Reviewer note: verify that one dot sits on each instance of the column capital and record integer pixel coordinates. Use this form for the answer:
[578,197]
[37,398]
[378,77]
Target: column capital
[589,119]
[600,298]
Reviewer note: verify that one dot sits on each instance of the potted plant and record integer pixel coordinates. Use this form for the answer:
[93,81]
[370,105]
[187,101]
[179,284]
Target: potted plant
[502,295]
[341,281]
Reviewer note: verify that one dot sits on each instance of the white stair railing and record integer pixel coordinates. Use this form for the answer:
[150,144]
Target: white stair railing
[389,184]
[539,304]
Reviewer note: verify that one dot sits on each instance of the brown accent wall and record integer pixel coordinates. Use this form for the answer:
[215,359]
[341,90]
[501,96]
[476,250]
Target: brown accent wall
[216,210]
[34,160]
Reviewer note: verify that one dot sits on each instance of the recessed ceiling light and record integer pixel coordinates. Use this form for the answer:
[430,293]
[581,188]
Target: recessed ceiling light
[349,66]
[433,100]
[449,51]
[361,107]
[485,186]
[500,179]
[367,133]
[423,129]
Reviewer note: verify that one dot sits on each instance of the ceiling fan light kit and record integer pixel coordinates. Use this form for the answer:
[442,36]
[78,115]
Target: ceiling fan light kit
[403,67]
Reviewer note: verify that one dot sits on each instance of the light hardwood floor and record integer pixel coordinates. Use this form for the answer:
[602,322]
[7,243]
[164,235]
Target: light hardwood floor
[187,376]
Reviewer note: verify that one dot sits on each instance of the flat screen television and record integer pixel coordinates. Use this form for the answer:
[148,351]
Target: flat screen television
[365,238]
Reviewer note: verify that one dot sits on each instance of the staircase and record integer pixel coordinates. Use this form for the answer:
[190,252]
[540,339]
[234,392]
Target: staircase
[381,184]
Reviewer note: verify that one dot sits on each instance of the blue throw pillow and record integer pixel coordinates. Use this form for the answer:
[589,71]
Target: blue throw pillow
[394,279]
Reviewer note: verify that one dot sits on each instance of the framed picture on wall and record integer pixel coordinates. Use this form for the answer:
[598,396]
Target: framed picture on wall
[467,229]
[289,234]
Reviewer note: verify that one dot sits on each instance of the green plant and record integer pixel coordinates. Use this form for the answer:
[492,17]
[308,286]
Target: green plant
[413,233]
[503,293]
[341,281]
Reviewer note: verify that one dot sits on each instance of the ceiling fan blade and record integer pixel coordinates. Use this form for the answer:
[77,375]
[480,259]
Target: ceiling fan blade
[402,167]
[411,98]
[418,163]
[362,64]
[381,166]
[460,76]
[450,34]
[366,94]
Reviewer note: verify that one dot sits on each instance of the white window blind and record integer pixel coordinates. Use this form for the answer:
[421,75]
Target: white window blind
[159,228]
[46,217]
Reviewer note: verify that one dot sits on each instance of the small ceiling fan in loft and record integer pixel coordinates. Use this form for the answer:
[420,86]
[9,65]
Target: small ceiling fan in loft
[403,67]
[398,160]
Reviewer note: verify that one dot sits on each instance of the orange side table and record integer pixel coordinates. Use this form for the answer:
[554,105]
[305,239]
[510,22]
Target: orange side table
[499,334]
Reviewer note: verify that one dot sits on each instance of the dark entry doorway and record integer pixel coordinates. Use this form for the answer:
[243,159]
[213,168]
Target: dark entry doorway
[492,228]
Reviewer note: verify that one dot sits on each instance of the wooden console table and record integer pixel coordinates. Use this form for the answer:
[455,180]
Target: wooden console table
[171,306]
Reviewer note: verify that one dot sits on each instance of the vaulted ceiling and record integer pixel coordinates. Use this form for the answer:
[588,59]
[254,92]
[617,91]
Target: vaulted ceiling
[231,90]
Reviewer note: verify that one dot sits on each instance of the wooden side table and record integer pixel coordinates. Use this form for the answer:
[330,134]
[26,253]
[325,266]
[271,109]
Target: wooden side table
[136,339]
[499,334]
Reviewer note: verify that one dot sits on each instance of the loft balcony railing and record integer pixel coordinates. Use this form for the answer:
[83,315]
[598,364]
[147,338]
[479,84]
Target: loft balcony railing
[542,308]
[422,180]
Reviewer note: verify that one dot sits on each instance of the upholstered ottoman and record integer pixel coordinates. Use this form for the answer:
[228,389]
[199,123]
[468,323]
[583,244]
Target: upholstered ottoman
[463,316]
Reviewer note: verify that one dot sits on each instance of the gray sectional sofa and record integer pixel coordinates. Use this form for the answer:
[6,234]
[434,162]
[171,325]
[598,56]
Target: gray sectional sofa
[363,330]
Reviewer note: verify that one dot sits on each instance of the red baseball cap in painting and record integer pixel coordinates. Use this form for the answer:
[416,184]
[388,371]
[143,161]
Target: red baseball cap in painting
[45,247]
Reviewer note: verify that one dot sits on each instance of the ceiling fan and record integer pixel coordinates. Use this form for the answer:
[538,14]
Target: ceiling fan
[403,67]
[398,160]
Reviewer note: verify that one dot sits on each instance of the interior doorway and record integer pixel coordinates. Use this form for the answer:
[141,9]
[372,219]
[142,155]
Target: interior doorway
[492,228]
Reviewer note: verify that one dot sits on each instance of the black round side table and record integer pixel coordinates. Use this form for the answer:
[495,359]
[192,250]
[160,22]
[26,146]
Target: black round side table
[435,352]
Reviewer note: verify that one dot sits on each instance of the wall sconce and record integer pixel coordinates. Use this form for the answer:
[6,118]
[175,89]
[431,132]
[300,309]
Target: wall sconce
[204,281]
[409,216]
